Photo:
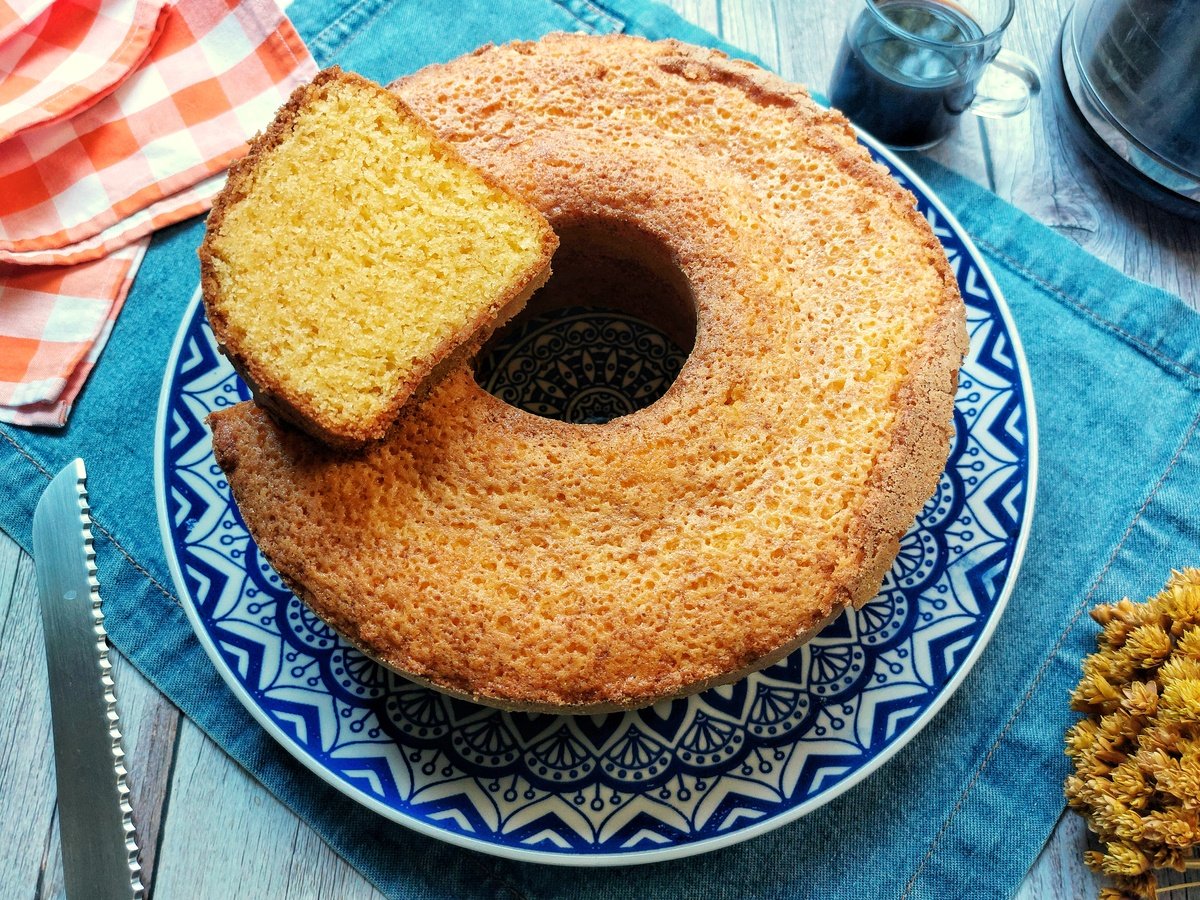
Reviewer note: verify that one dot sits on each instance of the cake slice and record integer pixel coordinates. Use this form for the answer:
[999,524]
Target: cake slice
[353,257]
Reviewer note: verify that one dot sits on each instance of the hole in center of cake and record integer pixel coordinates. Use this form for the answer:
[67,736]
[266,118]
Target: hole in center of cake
[606,336]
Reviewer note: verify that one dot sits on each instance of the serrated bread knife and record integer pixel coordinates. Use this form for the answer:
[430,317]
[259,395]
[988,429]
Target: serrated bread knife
[99,850]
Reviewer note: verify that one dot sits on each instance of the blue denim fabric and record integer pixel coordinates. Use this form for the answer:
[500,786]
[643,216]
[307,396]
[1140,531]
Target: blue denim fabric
[963,810]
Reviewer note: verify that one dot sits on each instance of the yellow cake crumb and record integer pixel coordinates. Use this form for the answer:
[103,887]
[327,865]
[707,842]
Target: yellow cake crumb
[352,251]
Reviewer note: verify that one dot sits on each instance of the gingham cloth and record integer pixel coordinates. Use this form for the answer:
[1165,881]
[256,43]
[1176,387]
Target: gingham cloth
[79,196]
[71,57]
[56,320]
[17,15]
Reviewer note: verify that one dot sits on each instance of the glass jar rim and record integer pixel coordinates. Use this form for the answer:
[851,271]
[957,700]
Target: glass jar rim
[875,7]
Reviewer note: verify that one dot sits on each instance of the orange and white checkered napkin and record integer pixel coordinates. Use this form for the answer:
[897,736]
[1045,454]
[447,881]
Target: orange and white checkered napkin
[71,57]
[17,15]
[214,77]
[80,195]
[56,320]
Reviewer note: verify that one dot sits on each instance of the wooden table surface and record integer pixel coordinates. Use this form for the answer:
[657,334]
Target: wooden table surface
[207,829]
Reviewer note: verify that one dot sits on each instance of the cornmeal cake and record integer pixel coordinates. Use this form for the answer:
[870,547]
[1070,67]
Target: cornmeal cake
[530,563]
[353,255]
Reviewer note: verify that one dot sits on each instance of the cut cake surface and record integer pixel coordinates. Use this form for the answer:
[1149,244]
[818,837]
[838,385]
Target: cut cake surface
[354,256]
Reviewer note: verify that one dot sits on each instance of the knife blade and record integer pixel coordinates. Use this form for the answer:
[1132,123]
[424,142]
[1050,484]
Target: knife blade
[99,846]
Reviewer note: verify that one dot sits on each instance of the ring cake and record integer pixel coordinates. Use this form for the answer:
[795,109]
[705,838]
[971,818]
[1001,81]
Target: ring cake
[534,564]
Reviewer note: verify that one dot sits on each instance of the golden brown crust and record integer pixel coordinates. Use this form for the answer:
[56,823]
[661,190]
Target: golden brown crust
[907,472]
[725,548]
[456,347]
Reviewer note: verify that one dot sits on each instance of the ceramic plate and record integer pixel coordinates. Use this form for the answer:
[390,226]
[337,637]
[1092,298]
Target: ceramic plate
[684,776]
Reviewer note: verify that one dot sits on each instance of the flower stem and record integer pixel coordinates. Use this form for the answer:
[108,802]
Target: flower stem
[1176,887]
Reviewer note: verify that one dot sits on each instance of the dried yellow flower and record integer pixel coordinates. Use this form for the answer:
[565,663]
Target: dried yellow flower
[1181,781]
[1175,832]
[1159,736]
[1116,666]
[1123,859]
[1125,611]
[1116,632]
[1129,785]
[1154,761]
[1180,668]
[1136,754]
[1116,725]
[1137,887]
[1141,698]
[1168,858]
[1188,645]
[1081,736]
[1182,601]
[1147,646]
[1095,694]
[1181,701]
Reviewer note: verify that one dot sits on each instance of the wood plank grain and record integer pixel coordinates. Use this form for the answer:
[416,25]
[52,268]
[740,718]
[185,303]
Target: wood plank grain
[753,27]
[1059,873]
[703,13]
[30,828]
[226,836]
[808,38]
[25,771]
[1038,168]
[10,559]
[151,724]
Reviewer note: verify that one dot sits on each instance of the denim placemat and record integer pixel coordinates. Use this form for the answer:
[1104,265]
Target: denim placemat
[963,810]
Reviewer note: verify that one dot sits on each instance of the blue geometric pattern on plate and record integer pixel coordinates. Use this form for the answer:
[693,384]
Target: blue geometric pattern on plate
[602,364]
[677,778]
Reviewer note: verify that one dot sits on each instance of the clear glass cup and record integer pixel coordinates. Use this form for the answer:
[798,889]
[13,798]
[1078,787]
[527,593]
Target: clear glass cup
[908,69]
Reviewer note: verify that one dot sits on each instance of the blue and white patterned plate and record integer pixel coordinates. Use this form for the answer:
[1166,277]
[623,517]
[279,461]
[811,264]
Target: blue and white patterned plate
[682,777]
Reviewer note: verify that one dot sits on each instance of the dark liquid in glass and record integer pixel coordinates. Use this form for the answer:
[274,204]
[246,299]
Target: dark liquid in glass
[905,92]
